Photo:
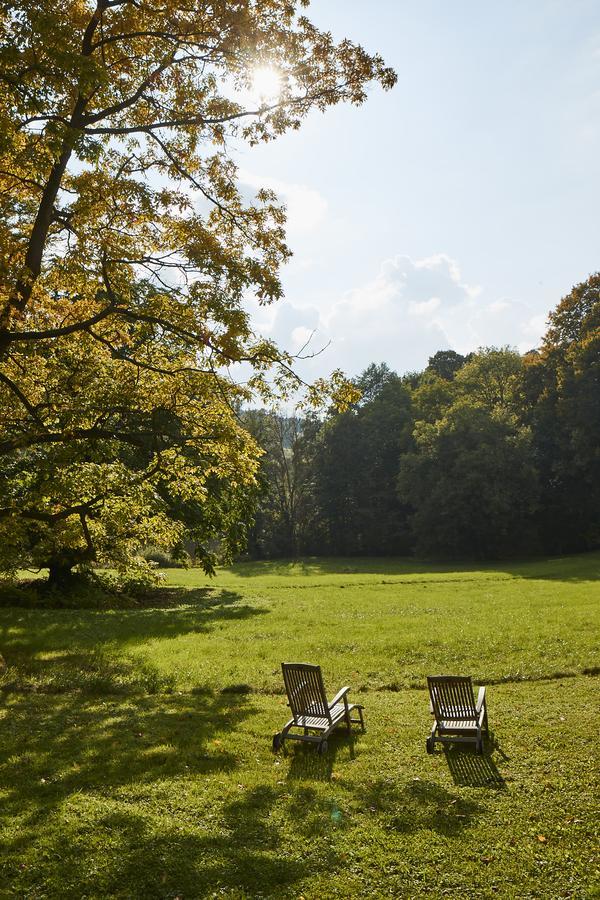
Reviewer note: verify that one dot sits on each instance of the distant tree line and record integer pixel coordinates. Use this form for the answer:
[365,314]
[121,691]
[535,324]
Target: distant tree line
[482,456]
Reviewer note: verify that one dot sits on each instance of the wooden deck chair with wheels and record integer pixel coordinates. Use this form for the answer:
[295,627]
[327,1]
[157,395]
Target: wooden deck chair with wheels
[457,716]
[312,713]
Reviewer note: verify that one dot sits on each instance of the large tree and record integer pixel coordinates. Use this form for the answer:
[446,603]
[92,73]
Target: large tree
[126,252]
[562,403]
[287,521]
[470,479]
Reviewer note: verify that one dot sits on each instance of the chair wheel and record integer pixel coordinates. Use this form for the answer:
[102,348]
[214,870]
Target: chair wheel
[429,745]
[322,747]
[276,742]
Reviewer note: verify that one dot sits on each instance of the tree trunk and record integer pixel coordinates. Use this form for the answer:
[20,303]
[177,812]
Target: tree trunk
[60,573]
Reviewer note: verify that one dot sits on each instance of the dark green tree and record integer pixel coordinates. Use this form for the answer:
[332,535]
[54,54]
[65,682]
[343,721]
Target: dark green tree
[561,401]
[470,479]
[471,484]
[446,363]
[357,466]
[286,522]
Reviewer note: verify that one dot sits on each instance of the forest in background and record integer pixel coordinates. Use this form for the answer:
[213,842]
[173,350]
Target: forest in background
[489,455]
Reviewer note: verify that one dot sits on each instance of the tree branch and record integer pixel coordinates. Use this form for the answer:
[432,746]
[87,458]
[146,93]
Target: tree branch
[19,298]
[23,399]
[20,336]
[128,101]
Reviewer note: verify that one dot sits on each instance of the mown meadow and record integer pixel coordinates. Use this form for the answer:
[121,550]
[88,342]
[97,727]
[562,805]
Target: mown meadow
[135,758]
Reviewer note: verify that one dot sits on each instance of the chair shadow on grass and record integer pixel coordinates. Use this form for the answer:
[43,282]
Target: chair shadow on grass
[306,764]
[469,769]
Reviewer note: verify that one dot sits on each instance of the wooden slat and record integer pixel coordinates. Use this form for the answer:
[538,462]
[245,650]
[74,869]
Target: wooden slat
[305,690]
[452,699]
[315,721]
[457,725]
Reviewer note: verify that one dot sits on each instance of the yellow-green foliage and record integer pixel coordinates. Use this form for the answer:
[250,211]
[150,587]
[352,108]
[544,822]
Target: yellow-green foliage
[126,254]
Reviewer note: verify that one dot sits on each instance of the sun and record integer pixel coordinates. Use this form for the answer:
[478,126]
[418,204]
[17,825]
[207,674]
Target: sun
[266,83]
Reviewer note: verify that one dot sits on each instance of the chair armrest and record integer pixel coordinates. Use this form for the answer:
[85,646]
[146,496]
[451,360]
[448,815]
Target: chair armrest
[480,699]
[341,693]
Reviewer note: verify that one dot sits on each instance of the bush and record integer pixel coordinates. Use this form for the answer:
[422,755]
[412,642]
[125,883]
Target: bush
[175,560]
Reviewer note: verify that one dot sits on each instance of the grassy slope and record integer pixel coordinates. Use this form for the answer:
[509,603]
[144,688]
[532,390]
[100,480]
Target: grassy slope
[108,788]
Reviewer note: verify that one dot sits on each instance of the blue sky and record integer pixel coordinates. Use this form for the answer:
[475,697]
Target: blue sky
[457,209]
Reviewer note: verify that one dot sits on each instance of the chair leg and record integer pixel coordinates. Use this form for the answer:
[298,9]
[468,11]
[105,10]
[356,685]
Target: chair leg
[283,734]
[479,743]
[430,742]
[360,716]
[347,715]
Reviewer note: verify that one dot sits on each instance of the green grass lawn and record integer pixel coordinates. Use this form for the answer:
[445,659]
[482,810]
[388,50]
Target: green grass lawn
[135,753]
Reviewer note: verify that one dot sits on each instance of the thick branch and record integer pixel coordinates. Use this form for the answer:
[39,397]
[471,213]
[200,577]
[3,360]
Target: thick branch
[39,232]
[136,439]
[22,398]
[20,336]
[38,516]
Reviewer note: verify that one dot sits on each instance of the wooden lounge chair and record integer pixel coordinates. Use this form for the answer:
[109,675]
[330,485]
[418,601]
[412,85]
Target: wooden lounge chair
[457,716]
[311,711]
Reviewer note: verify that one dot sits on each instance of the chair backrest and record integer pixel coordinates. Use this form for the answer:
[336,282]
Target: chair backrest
[305,690]
[452,697]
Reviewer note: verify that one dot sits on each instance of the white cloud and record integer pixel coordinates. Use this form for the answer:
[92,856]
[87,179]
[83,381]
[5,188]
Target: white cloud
[411,309]
[425,308]
[306,208]
[301,338]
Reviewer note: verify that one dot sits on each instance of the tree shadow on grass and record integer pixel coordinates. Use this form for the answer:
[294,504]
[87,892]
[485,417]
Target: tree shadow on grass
[575,568]
[404,808]
[92,804]
[199,610]
[422,805]
[65,753]
[63,650]
[57,745]
[150,862]
[409,807]
[196,865]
